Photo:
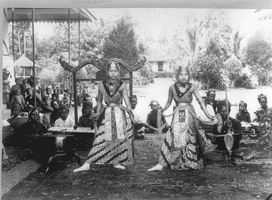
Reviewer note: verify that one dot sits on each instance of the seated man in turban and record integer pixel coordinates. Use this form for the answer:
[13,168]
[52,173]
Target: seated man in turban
[55,114]
[31,131]
[264,110]
[264,118]
[152,119]
[210,99]
[226,126]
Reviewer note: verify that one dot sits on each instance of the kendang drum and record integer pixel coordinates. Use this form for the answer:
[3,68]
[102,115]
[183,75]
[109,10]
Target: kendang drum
[54,147]
[65,143]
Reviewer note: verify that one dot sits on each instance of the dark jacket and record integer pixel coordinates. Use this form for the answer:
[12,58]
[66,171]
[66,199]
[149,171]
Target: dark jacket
[29,129]
[152,119]
[54,116]
[86,121]
[243,116]
[236,126]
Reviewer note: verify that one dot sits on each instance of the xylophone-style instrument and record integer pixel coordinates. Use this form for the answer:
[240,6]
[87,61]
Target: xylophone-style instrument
[71,130]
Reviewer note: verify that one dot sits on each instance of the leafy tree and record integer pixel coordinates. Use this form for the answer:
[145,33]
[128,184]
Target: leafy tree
[47,76]
[233,67]
[189,40]
[243,81]
[208,68]
[121,42]
[22,40]
[258,55]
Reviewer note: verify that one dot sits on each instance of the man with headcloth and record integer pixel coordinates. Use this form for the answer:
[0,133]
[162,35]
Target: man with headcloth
[87,119]
[211,99]
[152,119]
[31,131]
[226,125]
[264,117]
[264,110]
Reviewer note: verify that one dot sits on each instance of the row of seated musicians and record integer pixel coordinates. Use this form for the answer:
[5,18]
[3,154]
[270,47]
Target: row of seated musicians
[36,124]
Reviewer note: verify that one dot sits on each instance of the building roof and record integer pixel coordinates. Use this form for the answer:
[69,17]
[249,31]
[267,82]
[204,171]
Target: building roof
[23,62]
[157,55]
[49,14]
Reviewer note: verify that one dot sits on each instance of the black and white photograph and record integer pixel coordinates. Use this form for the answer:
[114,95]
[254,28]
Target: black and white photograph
[105,99]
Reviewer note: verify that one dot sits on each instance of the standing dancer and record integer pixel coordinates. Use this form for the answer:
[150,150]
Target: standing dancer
[113,140]
[182,146]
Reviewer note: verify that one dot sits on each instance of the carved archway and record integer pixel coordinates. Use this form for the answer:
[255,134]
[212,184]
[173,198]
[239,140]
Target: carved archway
[100,64]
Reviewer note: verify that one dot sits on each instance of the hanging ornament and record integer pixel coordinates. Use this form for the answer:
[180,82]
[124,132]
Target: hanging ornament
[111,88]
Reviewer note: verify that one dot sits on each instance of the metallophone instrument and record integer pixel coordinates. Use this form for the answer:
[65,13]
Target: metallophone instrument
[71,130]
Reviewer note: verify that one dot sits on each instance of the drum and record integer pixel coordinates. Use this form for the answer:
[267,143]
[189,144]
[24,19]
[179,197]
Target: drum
[57,143]
[65,144]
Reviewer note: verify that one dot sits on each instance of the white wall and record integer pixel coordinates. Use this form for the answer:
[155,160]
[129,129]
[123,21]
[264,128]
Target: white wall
[166,66]
[5,43]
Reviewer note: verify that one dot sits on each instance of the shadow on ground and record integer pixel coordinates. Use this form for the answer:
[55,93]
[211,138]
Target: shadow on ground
[216,181]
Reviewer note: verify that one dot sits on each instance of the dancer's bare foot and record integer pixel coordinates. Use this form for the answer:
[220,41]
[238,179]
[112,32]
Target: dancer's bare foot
[158,167]
[119,166]
[84,167]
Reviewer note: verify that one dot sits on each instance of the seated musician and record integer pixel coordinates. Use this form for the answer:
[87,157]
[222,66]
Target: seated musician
[139,127]
[228,125]
[152,119]
[19,99]
[210,100]
[87,119]
[243,115]
[15,122]
[264,117]
[66,99]
[264,110]
[55,114]
[31,131]
[15,112]
[46,101]
[30,100]
[64,120]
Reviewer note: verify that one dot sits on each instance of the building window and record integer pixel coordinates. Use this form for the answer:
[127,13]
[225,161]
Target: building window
[160,66]
[28,71]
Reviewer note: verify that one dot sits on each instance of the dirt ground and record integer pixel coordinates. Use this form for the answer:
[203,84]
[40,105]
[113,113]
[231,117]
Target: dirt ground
[216,181]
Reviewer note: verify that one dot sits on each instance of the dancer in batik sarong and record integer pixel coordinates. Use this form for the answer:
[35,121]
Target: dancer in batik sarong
[182,146]
[113,140]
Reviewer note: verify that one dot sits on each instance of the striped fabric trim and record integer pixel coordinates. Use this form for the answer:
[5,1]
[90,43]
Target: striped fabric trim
[124,160]
[98,144]
[93,154]
[116,156]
